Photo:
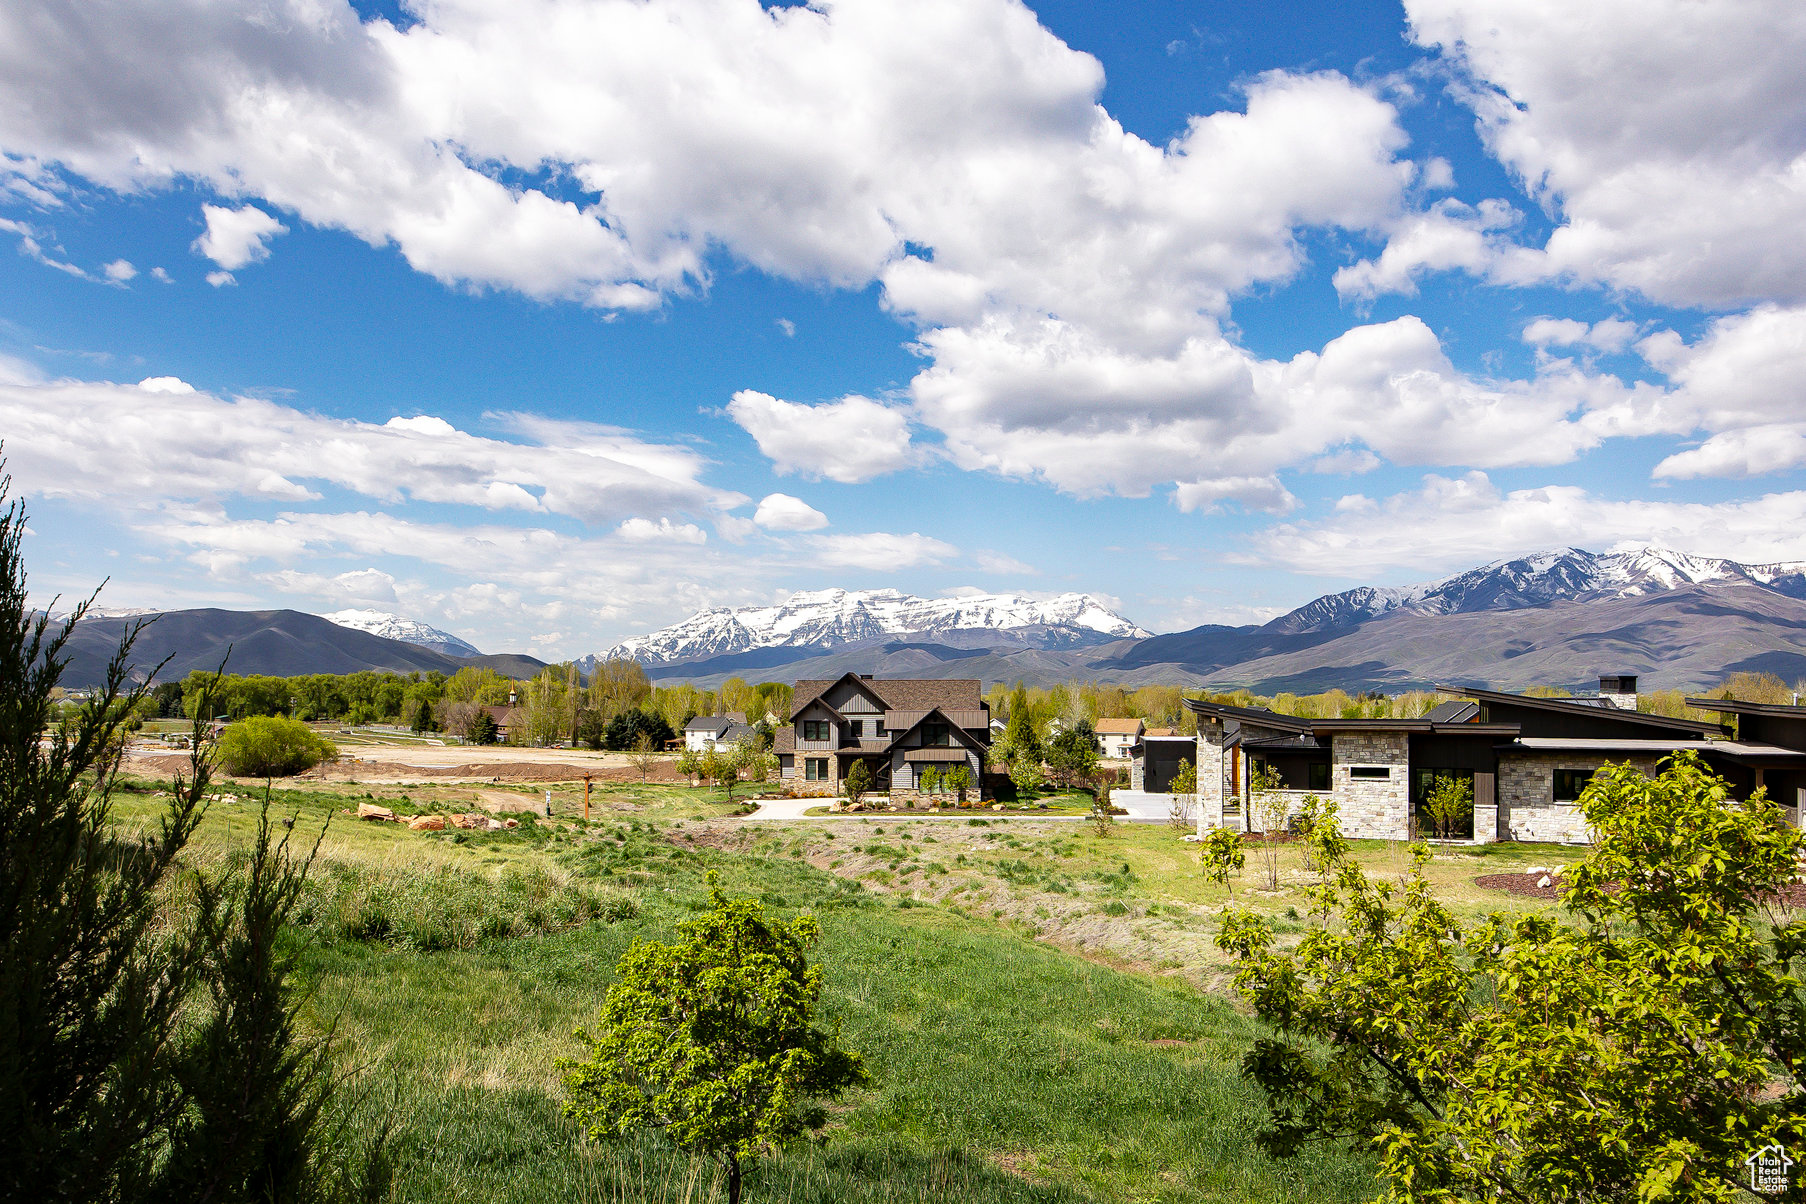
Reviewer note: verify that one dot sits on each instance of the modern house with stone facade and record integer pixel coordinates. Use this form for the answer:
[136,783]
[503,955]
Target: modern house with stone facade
[899,727]
[1527,759]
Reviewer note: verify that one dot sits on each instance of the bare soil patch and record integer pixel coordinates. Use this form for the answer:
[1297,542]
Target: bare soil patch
[1521,884]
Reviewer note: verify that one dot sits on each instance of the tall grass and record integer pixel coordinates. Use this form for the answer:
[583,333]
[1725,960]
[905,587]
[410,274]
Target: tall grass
[446,907]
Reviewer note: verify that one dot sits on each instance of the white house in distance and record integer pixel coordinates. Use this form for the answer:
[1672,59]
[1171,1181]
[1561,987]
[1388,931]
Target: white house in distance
[706,731]
[1118,736]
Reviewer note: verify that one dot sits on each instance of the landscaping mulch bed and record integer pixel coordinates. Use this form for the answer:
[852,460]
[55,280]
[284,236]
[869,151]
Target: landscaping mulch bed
[1521,884]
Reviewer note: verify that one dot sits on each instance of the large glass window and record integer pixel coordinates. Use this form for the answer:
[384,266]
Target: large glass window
[1571,783]
[935,734]
[815,769]
[816,729]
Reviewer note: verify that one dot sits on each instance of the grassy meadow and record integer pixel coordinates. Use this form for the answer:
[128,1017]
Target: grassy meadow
[1040,1007]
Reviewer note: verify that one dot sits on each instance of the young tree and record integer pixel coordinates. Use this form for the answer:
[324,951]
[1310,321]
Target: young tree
[959,780]
[1184,789]
[1223,855]
[1019,739]
[1025,773]
[1072,756]
[645,755]
[929,781]
[1315,824]
[264,747]
[1103,818]
[712,1041]
[256,1093]
[1272,810]
[1448,801]
[1642,1051]
[858,782]
[689,762]
[714,765]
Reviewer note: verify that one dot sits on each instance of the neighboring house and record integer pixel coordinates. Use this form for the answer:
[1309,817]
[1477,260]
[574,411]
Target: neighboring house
[706,731]
[1118,736]
[897,726]
[1527,759]
[1155,759]
[505,719]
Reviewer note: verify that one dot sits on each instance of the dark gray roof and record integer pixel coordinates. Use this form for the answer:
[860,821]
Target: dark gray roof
[709,723]
[1455,710]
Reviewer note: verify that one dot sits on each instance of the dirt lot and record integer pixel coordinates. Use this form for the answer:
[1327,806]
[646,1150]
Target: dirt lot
[410,764]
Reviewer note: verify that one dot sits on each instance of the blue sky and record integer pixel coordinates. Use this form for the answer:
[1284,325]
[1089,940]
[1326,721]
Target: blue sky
[551,322]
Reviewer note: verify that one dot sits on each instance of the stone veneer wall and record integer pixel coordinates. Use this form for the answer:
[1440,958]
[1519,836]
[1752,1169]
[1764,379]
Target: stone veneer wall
[1211,783]
[1372,808]
[1527,806]
[1294,801]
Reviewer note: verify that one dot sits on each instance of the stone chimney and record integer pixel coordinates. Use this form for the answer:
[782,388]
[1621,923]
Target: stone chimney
[1620,690]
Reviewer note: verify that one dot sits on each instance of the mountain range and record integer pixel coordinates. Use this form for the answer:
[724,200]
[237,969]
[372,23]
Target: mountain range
[279,643]
[409,631]
[1555,618]
[818,621]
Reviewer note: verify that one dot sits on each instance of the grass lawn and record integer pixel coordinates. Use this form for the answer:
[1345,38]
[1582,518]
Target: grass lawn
[1011,1060]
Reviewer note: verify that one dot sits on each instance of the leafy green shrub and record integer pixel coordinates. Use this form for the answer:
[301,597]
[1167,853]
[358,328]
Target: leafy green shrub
[272,747]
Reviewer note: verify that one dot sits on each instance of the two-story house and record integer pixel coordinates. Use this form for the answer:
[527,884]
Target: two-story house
[1117,736]
[898,726]
[706,731]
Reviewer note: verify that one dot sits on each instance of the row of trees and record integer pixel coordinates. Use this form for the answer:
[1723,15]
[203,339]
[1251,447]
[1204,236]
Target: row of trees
[1028,755]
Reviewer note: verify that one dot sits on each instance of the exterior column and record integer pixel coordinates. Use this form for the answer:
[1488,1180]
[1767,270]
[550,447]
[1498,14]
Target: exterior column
[1211,770]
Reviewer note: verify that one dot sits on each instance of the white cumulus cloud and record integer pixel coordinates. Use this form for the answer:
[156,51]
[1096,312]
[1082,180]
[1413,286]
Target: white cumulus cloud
[850,440]
[236,237]
[781,512]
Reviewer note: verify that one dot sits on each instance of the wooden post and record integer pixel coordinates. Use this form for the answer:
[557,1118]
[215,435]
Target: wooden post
[586,778]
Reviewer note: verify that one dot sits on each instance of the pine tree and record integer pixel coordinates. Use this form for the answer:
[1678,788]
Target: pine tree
[88,993]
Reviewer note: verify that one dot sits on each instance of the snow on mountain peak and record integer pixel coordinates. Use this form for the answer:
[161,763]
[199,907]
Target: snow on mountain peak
[1539,579]
[399,627]
[833,617]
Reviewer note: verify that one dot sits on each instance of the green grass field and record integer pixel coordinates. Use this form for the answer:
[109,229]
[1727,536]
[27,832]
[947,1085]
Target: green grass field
[1027,997]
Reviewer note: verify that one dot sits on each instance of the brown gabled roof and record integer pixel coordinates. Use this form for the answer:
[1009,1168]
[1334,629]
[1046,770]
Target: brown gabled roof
[903,693]
[1118,727]
[783,740]
[904,720]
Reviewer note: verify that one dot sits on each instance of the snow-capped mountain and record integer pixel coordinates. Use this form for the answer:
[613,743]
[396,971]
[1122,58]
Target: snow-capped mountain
[397,627]
[831,618]
[1540,579]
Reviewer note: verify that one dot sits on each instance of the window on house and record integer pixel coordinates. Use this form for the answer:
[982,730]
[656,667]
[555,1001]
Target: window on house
[935,734]
[1369,771]
[1319,775]
[858,726]
[816,729]
[878,728]
[815,769]
[1570,783]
